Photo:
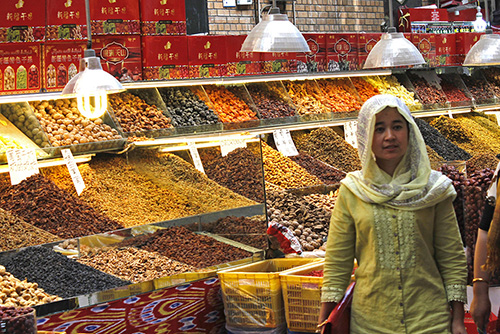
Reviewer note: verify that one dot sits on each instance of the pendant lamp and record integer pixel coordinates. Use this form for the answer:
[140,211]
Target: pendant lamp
[393,49]
[275,33]
[92,84]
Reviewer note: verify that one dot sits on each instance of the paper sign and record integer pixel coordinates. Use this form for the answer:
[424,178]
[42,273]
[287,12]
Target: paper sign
[229,145]
[73,170]
[22,164]
[284,142]
[351,133]
[196,157]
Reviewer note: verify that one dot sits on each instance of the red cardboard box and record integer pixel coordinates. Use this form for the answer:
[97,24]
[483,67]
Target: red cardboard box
[66,20]
[115,17]
[22,21]
[315,61]
[120,55]
[241,63]
[207,56]
[61,62]
[366,42]
[279,62]
[20,68]
[446,50]
[426,44]
[164,57]
[342,53]
[163,17]
[463,43]
[409,15]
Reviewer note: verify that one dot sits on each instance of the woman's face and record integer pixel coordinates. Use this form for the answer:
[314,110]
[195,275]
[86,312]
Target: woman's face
[390,139]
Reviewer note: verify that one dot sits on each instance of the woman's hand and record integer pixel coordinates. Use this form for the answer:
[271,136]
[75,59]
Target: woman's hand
[457,318]
[324,313]
[480,307]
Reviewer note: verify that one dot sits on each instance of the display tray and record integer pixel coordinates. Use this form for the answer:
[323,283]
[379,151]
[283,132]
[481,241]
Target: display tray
[453,80]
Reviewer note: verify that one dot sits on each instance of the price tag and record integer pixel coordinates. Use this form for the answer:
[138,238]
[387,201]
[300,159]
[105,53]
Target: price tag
[229,145]
[284,142]
[196,157]
[22,164]
[351,133]
[73,170]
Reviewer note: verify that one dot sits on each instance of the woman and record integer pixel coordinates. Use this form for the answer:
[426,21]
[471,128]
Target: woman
[396,217]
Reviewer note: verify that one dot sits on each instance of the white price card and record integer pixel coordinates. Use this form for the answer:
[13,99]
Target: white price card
[351,133]
[228,145]
[284,142]
[196,157]
[73,170]
[22,164]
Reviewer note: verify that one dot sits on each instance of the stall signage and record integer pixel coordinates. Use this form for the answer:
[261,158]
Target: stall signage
[22,164]
[74,172]
[229,145]
[196,157]
[284,142]
[350,133]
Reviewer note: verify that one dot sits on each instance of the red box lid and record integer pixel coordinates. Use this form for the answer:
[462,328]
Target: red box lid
[28,18]
[206,50]
[20,69]
[341,43]
[164,50]
[233,46]
[162,10]
[426,14]
[66,20]
[115,17]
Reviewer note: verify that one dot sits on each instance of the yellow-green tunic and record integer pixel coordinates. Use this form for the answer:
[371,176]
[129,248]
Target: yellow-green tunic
[410,265]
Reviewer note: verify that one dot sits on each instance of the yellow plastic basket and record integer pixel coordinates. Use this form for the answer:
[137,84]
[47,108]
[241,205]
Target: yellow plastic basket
[302,297]
[252,293]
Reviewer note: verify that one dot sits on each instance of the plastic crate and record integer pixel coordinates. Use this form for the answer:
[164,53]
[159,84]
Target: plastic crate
[302,297]
[252,293]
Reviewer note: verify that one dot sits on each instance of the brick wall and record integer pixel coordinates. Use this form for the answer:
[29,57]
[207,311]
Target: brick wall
[310,16]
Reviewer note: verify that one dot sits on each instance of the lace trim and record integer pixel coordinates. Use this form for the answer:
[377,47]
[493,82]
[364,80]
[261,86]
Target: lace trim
[456,292]
[395,238]
[331,294]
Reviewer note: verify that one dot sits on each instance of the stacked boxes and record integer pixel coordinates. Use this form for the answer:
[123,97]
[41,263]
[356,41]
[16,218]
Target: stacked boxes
[112,17]
[66,20]
[241,63]
[165,57]
[366,42]
[314,61]
[61,62]
[163,17]
[342,54]
[207,56]
[464,42]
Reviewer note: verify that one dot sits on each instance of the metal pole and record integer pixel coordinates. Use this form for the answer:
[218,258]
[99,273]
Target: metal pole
[487,16]
[89,30]
[391,19]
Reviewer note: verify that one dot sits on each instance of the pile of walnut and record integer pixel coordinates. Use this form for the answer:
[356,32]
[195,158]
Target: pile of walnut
[14,292]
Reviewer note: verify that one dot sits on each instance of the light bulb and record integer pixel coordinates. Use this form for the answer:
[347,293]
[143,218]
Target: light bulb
[479,23]
[92,105]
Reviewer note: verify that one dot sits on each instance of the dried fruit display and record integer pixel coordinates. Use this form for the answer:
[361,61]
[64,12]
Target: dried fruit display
[17,320]
[16,233]
[433,156]
[58,274]
[451,89]
[339,95]
[487,138]
[283,172]
[307,221]
[364,88]
[326,145]
[17,293]
[270,100]
[429,93]
[41,203]
[324,172]
[478,87]
[22,116]
[492,75]
[186,108]
[131,264]
[390,85]
[325,201]
[240,170]
[64,125]
[307,97]
[159,187]
[481,161]
[439,143]
[229,104]
[199,251]
[135,115]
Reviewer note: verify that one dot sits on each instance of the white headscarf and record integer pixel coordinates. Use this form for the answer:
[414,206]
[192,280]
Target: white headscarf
[414,184]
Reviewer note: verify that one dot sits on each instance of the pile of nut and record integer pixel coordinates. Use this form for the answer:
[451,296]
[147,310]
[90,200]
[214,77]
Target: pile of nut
[15,320]
[63,124]
[14,292]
